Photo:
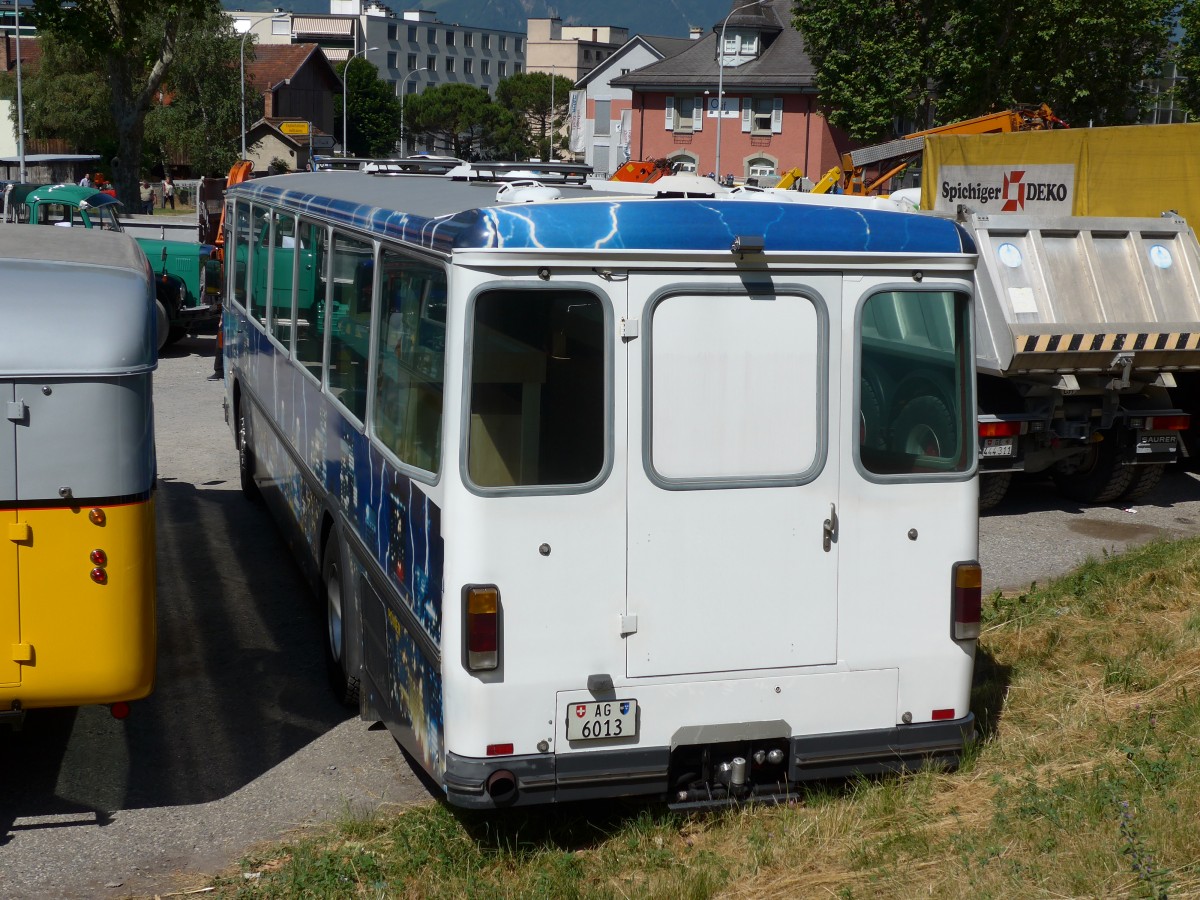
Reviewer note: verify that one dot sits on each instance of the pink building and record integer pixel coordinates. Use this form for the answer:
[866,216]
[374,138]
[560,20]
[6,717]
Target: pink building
[767,119]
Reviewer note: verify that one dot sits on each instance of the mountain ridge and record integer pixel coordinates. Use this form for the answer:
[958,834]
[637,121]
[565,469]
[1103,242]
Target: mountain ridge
[670,19]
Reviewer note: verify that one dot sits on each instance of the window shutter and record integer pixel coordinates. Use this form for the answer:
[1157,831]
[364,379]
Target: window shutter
[698,114]
[747,112]
[670,123]
[777,116]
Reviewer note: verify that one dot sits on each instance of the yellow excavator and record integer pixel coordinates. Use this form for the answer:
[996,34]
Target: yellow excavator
[891,158]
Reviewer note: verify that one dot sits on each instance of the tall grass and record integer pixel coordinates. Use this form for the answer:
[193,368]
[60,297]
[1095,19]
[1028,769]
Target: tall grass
[1085,782]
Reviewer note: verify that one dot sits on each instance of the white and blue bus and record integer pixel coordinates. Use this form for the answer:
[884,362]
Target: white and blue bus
[607,495]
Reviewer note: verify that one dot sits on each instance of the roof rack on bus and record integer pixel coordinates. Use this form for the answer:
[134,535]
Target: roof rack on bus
[409,165]
[562,172]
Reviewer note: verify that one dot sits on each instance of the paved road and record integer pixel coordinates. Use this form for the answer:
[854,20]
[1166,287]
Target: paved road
[241,740]
[1034,534]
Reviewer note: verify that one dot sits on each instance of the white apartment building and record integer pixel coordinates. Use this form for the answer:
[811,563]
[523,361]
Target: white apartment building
[411,51]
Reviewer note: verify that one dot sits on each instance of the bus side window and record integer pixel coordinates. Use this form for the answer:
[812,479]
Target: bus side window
[241,251]
[350,322]
[260,218]
[283,256]
[310,297]
[409,364]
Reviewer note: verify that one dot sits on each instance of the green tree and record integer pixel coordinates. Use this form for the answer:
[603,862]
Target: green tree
[1187,57]
[373,110]
[134,43]
[203,116]
[459,116]
[530,96]
[901,64]
[63,101]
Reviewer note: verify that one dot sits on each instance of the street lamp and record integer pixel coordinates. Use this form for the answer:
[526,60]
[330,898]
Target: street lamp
[346,94]
[20,100]
[242,55]
[403,85]
[721,77]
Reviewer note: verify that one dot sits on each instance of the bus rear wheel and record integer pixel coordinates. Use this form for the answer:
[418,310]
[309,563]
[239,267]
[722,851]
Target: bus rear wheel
[246,460]
[345,688]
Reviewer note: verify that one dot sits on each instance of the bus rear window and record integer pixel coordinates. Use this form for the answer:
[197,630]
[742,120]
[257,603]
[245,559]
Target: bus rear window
[537,408]
[915,401]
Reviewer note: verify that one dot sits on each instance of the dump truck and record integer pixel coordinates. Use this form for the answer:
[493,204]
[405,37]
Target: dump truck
[1097,179]
[1086,325]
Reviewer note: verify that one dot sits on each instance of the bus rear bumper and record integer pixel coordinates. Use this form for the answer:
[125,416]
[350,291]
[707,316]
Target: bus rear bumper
[703,775]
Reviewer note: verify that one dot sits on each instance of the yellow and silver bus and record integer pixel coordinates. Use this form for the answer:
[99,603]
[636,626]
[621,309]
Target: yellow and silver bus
[77,470]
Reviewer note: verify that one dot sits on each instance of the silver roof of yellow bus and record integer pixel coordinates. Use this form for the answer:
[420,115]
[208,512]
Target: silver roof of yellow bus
[74,301]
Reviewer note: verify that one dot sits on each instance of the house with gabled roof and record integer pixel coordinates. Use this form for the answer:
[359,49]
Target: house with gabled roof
[602,133]
[299,85]
[746,106]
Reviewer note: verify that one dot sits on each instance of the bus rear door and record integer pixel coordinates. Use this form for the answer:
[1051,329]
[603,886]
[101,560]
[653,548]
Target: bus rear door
[734,400]
[10,602]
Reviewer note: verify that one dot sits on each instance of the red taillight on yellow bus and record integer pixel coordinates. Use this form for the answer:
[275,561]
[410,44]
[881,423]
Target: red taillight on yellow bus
[968,600]
[481,627]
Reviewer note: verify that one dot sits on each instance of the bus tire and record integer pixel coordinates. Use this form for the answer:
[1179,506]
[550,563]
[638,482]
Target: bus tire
[992,488]
[1097,475]
[246,464]
[1145,479]
[345,688]
[162,323]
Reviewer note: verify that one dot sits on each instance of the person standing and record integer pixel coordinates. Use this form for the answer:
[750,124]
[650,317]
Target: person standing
[168,191]
[146,195]
[85,181]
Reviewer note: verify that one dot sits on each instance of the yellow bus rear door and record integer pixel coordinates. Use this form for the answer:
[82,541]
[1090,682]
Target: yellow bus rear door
[10,532]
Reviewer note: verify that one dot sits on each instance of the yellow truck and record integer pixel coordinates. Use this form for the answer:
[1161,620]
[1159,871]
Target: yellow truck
[1134,170]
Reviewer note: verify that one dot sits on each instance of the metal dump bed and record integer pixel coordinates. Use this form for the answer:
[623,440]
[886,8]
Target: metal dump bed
[1079,295]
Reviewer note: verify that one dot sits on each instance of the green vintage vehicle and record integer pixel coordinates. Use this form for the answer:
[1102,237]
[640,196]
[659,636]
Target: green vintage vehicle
[187,276]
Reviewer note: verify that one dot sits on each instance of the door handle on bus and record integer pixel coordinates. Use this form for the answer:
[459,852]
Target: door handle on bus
[830,528]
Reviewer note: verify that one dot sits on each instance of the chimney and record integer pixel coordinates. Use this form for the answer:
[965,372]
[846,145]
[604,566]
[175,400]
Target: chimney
[695,32]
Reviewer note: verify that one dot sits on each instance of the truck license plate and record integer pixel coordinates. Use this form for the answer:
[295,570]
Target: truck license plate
[602,720]
[1004,446]
[1156,443]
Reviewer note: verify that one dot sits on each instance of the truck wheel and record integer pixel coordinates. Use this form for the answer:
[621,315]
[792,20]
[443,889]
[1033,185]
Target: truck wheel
[162,323]
[871,413]
[246,461]
[925,427]
[992,488]
[1097,476]
[345,688]
[1145,479]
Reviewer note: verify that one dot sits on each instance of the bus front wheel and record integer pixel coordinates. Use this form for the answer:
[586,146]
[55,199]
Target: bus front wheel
[162,323]
[345,688]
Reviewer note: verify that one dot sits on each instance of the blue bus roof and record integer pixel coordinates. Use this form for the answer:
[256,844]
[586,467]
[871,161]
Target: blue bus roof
[444,216]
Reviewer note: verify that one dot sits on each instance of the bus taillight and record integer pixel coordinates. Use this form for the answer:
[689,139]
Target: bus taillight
[968,600]
[482,626]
